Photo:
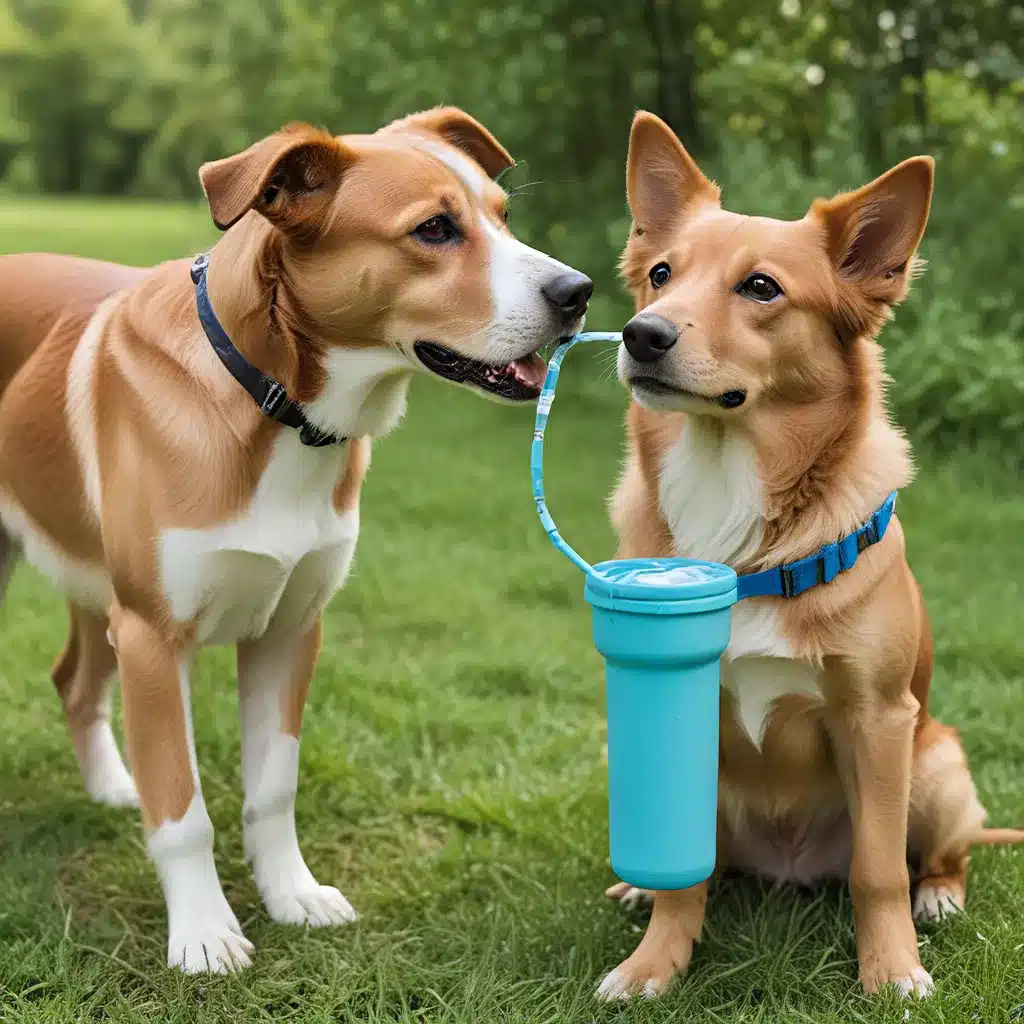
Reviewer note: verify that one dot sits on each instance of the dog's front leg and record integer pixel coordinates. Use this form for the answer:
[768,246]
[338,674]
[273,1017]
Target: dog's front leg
[872,729]
[665,949]
[274,673]
[203,932]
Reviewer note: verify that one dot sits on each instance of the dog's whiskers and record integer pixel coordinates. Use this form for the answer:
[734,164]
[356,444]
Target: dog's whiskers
[520,190]
[608,365]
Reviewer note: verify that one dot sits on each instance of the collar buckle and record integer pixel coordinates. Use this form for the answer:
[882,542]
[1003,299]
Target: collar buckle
[276,401]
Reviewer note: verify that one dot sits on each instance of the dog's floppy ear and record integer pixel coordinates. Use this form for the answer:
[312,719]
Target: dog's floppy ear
[872,234]
[463,132]
[290,177]
[662,179]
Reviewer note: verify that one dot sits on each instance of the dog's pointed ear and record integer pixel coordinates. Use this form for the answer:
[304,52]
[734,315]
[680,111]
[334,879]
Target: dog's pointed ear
[872,234]
[463,132]
[289,177]
[662,179]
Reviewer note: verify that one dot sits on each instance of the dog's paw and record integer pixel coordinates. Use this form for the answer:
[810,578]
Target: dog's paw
[316,907]
[919,984]
[217,949]
[936,900]
[916,982]
[646,973]
[103,772]
[620,985]
[115,792]
[629,896]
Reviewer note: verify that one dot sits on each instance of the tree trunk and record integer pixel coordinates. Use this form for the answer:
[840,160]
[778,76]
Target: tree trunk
[672,30]
[872,88]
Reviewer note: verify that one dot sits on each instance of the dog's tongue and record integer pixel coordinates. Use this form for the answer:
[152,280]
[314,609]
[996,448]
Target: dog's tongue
[530,371]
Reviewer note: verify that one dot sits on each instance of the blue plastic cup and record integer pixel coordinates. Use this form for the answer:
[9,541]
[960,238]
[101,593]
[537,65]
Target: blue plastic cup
[662,626]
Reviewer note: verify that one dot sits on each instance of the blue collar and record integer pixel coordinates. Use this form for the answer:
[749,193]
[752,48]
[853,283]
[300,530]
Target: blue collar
[823,567]
[266,392]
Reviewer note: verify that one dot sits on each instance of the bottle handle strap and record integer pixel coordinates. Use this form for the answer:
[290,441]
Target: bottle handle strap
[544,403]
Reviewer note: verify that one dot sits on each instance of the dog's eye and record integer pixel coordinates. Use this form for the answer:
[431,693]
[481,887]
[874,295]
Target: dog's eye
[437,230]
[504,215]
[659,275]
[760,288]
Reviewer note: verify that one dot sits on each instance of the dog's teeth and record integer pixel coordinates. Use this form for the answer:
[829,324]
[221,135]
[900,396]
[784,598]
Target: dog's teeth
[496,374]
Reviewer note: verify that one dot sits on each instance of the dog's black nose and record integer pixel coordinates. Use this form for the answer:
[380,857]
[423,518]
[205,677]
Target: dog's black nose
[569,293]
[648,337]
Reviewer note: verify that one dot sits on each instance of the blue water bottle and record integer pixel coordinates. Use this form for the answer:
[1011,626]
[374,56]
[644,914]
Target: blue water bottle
[662,625]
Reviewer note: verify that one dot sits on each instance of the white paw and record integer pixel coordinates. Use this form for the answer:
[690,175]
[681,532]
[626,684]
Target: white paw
[106,779]
[619,986]
[216,949]
[629,895]
[115,792]
[919,984]
[319,906]
[634,897]
[934,902]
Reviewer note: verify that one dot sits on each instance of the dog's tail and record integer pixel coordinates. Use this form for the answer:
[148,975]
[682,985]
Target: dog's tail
[997,837]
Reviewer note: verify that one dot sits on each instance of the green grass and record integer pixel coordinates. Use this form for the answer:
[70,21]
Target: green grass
[451,780]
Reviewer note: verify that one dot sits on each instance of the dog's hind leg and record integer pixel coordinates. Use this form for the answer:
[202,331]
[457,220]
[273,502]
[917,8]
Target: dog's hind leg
[945,818]
[82,675]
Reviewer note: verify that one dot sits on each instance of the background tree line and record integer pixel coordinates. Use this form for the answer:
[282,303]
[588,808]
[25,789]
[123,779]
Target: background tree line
[781,101]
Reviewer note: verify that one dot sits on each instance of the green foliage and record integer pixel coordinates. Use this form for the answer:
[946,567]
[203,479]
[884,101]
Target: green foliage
[77,72]
[781,101]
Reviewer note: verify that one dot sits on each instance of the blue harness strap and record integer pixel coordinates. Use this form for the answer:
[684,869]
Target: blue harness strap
[823,567]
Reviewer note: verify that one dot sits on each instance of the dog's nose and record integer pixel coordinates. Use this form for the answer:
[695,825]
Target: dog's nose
[648,337]
[569,293]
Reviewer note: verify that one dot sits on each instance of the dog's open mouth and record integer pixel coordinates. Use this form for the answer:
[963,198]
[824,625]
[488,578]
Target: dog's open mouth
[517,381]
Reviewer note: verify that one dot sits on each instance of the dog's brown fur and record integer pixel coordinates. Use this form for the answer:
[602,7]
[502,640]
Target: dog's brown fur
[851,777]
[137,472]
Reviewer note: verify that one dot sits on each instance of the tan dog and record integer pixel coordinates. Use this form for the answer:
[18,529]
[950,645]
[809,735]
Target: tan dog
[149,485]
[757,434]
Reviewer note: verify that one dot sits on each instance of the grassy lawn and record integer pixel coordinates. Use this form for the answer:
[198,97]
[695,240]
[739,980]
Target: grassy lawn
[451,781]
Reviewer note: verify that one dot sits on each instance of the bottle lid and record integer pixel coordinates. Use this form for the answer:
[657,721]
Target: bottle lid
[660,579]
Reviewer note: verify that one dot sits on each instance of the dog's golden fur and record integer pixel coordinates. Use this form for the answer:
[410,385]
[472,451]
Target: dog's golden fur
[849,773]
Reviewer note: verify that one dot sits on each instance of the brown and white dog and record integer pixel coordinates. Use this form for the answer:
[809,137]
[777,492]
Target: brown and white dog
[144,480]
[757,434]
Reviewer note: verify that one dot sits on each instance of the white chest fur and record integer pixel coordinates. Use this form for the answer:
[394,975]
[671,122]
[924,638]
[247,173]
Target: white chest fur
[711,494]
[713,501]
[276,564]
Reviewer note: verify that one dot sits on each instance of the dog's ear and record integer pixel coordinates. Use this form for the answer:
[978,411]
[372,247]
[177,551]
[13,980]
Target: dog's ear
[872,234]
[463,132]
[662,179]
[289,177]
